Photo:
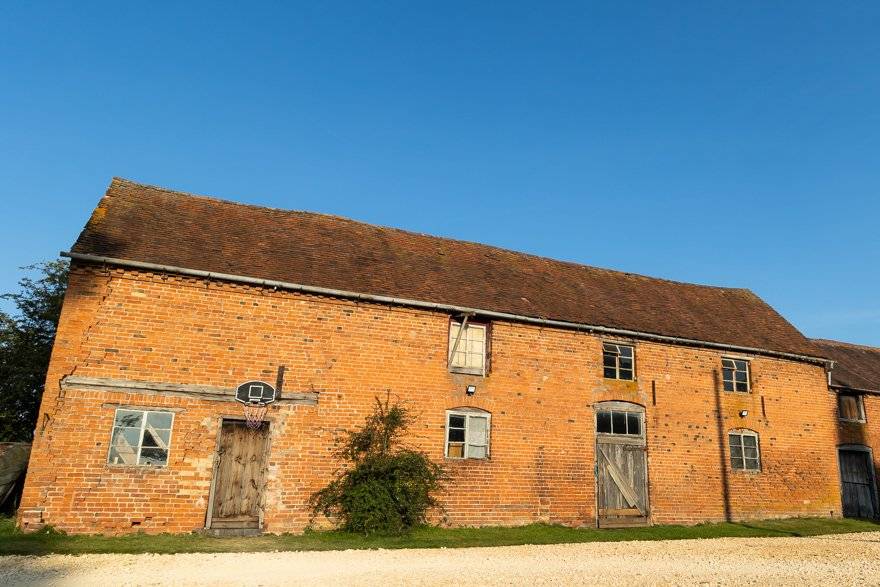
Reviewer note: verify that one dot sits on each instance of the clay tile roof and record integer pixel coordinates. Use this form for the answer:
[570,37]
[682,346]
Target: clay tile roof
[856,366]
[144,223]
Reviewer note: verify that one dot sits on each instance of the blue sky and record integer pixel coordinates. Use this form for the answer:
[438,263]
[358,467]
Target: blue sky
[727,143]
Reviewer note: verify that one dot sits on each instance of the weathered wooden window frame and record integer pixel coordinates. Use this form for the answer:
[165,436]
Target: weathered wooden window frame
[467,414]
[734,370]
[620,407]
[742,433]
[140,445]
[607,350]
[463,325]
[860,404]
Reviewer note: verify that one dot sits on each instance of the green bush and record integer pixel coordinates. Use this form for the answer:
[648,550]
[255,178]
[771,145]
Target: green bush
[384,487]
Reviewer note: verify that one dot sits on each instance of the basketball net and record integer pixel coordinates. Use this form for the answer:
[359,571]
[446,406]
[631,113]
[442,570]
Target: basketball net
[255,414]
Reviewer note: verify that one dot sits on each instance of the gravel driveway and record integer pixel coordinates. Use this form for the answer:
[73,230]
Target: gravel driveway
[847,559]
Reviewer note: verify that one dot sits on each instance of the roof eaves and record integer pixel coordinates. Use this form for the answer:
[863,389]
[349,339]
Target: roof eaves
[440,307]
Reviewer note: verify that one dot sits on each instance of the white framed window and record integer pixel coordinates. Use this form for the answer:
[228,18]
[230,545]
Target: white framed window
[140,438]
[850,407]
[745,454]
[467,434]
[735,374]
[467,348]
[618,361]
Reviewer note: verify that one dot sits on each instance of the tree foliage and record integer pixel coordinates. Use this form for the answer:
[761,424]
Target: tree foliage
[385,487]
[26,340]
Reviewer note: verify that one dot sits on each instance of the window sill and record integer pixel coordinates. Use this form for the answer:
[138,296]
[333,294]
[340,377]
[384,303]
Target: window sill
[634,379]
[846,421]
[746,471]
[137,467]
[739,392]
[467,371]
[466,459]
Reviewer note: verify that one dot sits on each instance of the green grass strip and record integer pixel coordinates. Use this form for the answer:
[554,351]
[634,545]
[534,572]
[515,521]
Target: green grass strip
[48,541]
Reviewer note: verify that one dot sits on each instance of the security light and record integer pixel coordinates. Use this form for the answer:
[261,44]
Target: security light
[743,413]
[471,389]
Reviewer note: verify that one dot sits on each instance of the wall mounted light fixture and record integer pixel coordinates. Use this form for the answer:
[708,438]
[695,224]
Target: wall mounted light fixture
[471,389]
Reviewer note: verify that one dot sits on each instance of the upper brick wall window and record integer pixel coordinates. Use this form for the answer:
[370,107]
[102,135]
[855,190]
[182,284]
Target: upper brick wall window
[735,375]
[850,408]
[140,438]
[467,348]
[618,361]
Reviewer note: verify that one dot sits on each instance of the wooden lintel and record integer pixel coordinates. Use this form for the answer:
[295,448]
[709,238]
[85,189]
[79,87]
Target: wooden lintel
[202,392]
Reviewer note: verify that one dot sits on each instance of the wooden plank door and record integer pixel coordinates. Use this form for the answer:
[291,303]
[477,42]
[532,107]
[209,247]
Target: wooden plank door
[621,484]
[857,484]
[239,476]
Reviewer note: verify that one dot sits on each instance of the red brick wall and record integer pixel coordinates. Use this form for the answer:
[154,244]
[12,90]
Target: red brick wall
[865,433]
[542,386]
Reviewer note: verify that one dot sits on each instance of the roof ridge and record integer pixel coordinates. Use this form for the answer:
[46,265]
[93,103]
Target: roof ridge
[846,344]
[117,179]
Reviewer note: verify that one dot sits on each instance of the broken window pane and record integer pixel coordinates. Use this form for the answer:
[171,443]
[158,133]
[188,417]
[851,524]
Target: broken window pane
[153,456]
[153,437]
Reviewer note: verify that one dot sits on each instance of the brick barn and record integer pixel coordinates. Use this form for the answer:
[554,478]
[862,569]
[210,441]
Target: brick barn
[855,380]
[551,391]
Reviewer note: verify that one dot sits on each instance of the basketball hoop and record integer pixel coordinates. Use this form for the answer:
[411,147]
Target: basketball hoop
[255,414]
[255,397]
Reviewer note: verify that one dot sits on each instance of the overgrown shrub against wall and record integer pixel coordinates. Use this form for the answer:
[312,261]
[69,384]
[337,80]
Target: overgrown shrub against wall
[384,486]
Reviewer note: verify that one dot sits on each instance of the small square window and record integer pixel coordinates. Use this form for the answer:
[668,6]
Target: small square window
[850,407]
[140,438]
[467,348]
[618,361]
[735,375]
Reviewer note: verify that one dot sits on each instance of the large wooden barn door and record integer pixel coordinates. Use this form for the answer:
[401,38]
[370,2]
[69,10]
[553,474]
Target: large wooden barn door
[239,476]
[859,494]
[621,466]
